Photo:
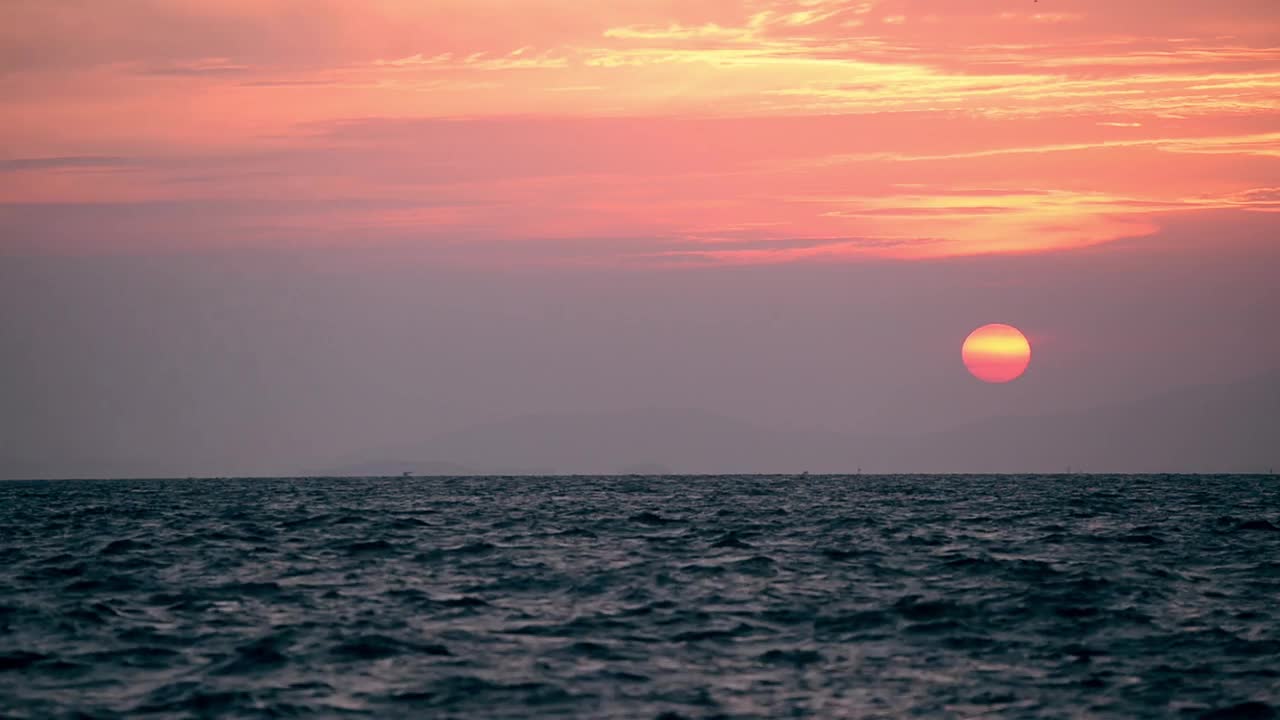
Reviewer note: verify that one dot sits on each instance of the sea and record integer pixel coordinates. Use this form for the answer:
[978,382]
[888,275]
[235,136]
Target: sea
[659,598]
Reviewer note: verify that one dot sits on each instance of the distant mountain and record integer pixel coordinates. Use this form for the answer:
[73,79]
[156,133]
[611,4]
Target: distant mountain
[675,440]
[1213,428]
[17,468]
[1217,428]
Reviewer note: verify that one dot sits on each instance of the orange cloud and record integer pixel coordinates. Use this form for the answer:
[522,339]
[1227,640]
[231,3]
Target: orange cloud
[723,131]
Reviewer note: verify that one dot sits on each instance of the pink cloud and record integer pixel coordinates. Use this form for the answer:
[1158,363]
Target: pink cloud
[810,129]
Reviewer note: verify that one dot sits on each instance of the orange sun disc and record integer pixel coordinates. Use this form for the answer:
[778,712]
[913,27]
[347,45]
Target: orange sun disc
[996,353]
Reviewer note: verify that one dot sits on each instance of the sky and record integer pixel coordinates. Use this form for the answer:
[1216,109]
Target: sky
[251,235]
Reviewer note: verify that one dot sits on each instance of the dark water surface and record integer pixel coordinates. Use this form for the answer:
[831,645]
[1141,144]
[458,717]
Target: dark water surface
[701,597]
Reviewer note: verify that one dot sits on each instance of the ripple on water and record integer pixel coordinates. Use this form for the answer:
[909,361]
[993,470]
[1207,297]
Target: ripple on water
[735,597]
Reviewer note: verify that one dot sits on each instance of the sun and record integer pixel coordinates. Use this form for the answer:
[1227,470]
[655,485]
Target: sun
[996,353]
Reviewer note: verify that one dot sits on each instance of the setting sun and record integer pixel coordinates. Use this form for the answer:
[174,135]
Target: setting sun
[996,353]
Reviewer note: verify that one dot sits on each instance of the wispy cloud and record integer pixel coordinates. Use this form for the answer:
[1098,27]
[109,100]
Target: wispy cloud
[202,66]
[519,59]
[70,162]
[722,131]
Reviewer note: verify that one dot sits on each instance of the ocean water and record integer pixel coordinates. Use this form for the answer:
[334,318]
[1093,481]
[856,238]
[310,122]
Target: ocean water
[642,597]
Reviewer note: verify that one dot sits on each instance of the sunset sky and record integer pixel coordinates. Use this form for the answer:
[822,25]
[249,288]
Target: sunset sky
[1114,163]
[551,131]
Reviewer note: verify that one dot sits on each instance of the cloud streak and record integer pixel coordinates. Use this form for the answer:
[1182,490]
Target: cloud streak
[791,125]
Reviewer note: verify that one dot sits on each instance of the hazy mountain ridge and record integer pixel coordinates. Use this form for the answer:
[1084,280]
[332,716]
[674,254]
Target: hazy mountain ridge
[683,441]
[1197,429]
[1214,428]
[1231,427]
